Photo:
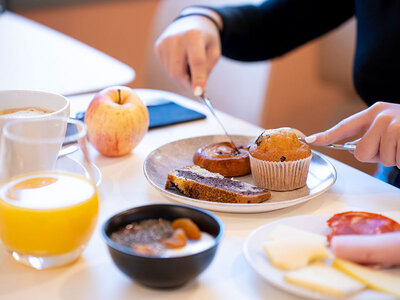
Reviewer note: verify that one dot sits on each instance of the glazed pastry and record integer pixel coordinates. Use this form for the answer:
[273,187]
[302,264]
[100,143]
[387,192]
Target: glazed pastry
[223,158]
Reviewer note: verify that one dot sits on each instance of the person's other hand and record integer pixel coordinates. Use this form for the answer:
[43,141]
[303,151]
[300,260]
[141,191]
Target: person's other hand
[189,48]
[380,129]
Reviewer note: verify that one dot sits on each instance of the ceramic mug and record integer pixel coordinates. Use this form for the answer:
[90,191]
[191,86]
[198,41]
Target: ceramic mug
[24,104]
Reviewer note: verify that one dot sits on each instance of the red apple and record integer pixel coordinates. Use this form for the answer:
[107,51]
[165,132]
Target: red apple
[116,121]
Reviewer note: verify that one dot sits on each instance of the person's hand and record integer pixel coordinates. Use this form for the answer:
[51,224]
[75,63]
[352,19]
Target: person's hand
[380,129]
[189,48]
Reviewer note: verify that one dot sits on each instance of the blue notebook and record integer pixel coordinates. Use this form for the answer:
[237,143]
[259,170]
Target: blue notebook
[165,114]
[170,113]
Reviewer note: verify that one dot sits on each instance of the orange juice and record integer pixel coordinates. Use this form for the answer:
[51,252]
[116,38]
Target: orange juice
[47,213]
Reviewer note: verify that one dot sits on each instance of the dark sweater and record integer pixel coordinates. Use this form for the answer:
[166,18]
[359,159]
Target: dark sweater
[274,27]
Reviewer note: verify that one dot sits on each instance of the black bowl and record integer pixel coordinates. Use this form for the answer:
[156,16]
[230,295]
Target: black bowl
[161,272]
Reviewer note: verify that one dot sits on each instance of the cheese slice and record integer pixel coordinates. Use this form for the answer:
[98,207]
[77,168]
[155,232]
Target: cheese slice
[324,279]
[283,231]
[290,248]
[374,279]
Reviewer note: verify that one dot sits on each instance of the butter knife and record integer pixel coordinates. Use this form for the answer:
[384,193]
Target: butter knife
[207,102]
[346,146]
[349,146]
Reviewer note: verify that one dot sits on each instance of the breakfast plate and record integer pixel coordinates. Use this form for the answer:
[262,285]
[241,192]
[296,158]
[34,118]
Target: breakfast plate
[161,161]
[69,164]
[254,254]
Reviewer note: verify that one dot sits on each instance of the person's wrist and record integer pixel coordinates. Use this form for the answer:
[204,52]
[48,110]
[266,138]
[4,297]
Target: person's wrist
[210,14]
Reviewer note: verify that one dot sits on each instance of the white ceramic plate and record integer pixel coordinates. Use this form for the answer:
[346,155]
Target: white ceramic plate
[253,251]
[321,176]
[69,164]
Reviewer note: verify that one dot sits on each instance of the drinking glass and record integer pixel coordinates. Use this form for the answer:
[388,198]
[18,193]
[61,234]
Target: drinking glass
[48,205]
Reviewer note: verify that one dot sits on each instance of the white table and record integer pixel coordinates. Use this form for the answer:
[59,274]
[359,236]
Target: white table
[33,56]
[94,276]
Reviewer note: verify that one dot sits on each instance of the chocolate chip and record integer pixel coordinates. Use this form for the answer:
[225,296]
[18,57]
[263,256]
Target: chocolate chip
[259,139]
[283,158]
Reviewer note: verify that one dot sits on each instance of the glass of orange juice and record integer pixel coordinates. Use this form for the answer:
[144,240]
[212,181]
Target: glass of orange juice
[47,213]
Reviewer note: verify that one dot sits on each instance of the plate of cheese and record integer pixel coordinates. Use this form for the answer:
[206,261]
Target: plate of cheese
[293,254]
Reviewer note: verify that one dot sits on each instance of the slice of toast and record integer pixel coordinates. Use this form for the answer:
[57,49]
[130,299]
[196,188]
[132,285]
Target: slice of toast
[196,182]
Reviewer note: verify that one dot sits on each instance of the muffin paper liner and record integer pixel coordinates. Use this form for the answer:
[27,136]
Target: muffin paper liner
[280,176]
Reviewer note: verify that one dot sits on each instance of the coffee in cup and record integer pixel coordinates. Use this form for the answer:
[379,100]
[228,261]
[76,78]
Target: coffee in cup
[25,111]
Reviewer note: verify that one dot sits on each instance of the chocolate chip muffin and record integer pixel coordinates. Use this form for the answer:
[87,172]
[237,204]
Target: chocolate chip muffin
[279,161]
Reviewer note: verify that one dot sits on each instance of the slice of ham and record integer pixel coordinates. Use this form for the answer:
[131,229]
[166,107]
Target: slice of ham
[356,222]
[380,249]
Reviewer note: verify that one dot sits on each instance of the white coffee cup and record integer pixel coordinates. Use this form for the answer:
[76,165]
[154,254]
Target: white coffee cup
[59,110]
[10,99]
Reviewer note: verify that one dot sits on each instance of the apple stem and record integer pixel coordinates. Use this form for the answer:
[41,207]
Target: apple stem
[119,96]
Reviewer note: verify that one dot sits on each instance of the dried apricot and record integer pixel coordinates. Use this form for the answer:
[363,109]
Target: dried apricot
[143,249]
[177,240]
[190,228]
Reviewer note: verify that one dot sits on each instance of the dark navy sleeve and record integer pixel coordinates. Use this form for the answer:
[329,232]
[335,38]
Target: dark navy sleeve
[274,27]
